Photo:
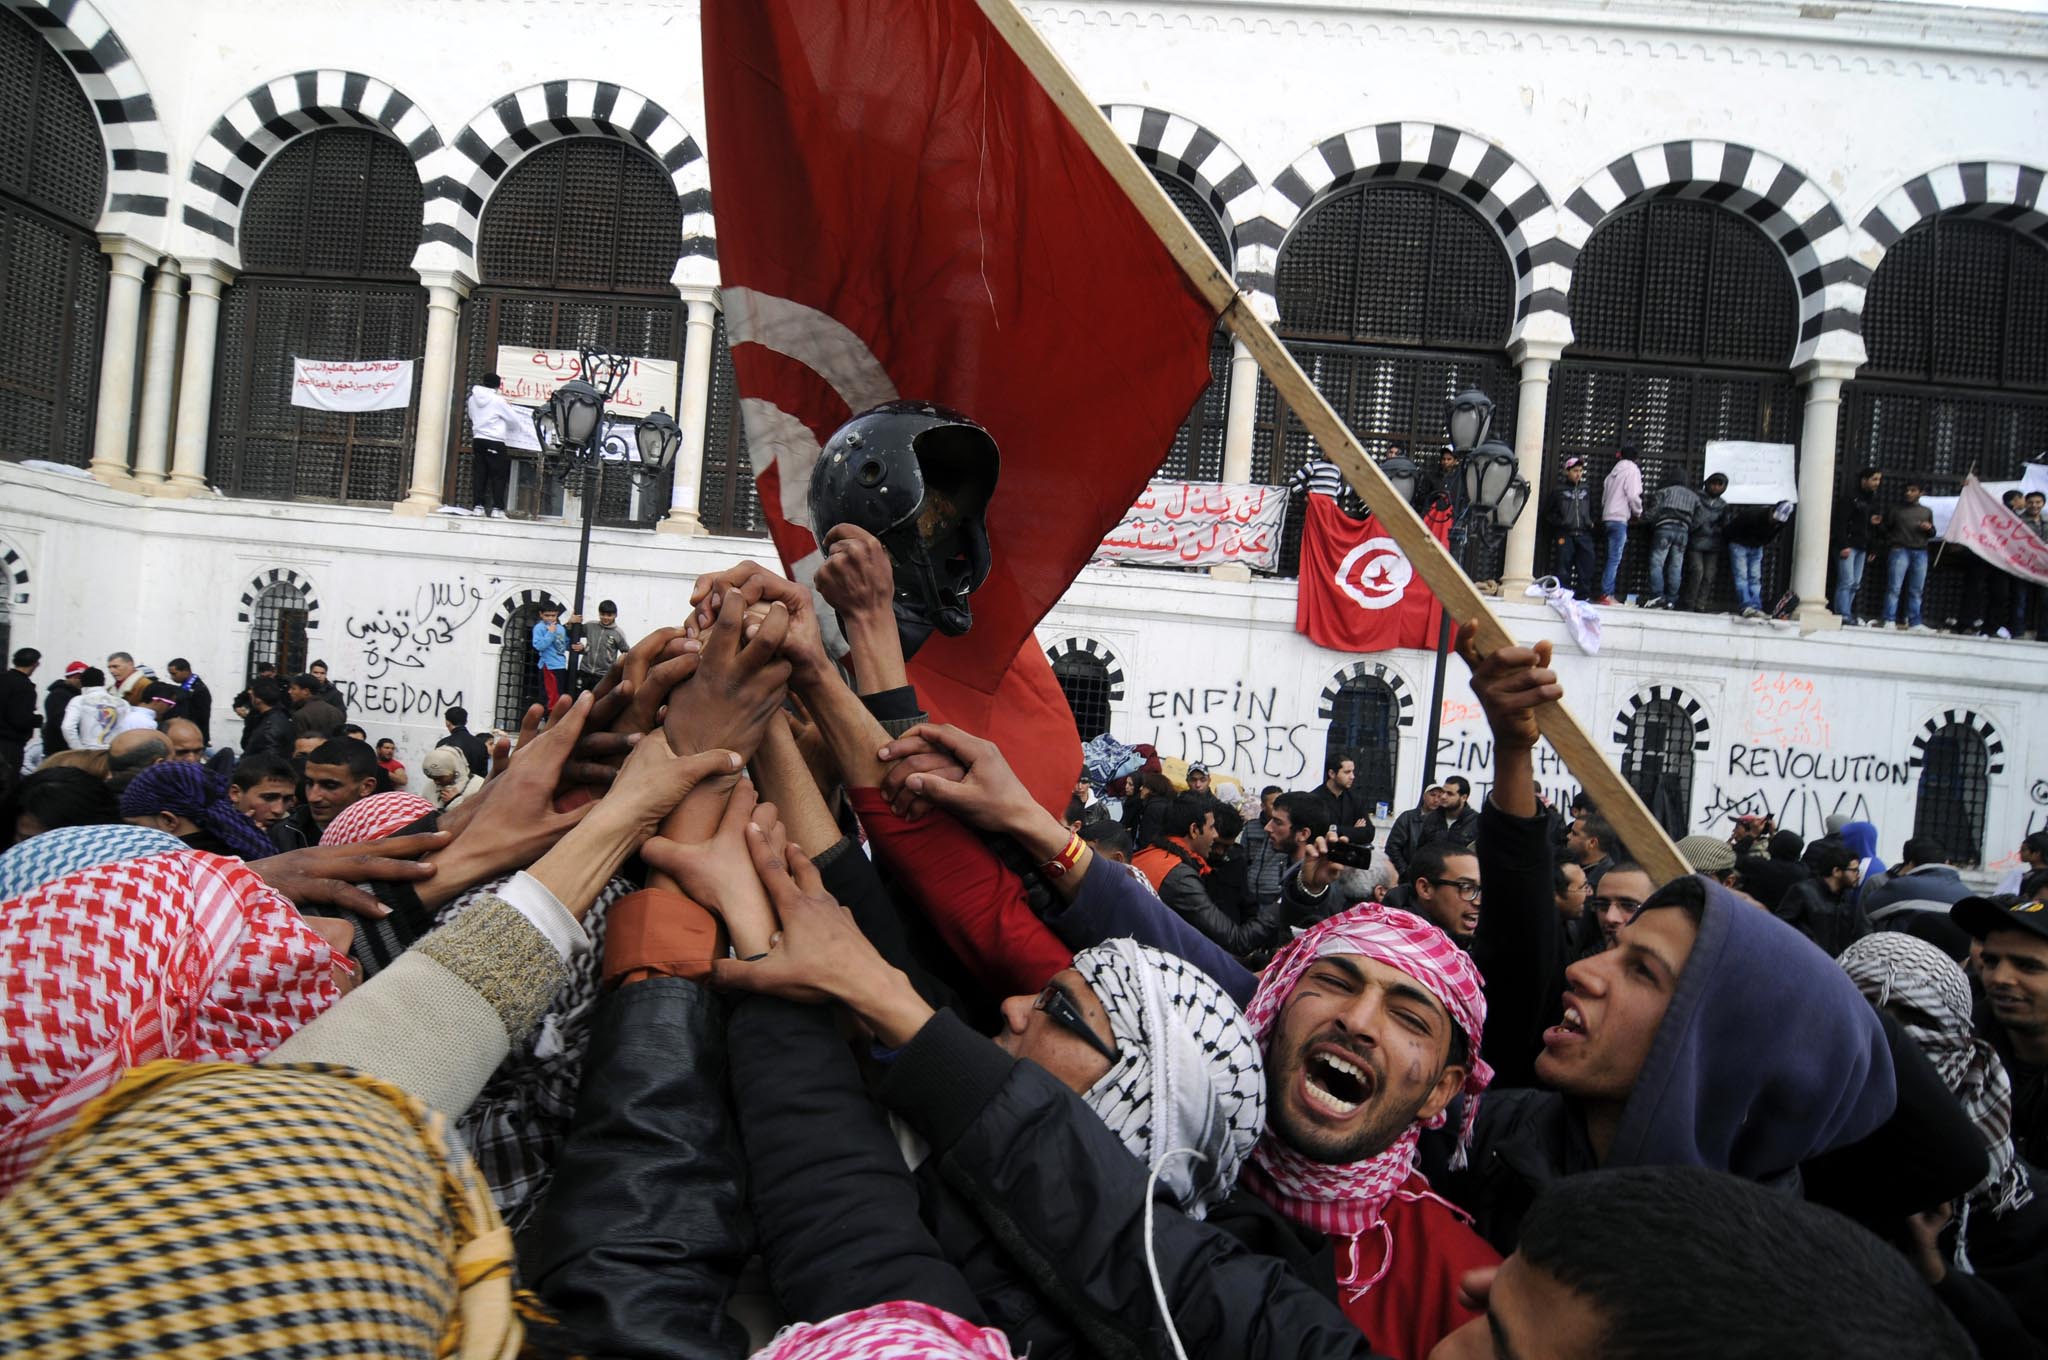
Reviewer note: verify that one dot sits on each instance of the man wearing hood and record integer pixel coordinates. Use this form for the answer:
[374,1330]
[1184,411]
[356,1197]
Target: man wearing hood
[491,422]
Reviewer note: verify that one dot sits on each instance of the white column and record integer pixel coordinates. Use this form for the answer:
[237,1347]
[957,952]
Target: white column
[694,417]
[1532,408]
[445,292]
[1810,527]
[159,377]
[210,279]
[1238,416]
[115,417]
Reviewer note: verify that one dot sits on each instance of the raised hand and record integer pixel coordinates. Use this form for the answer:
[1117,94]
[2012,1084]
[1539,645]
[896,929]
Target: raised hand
[326,875]
[739,684]
[804,645]
[718,872]
[1511,683]
[961,773]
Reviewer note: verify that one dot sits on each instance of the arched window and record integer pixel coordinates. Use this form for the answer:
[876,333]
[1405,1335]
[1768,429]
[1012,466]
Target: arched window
[1955,787]
[519,664]
[328,237]
[1197,452]
[1685,316]
[1394,297]
[1956,325]
[1657,762]
[1084,679]
[53,277]
[277,629]
[1365,724]
[576,248]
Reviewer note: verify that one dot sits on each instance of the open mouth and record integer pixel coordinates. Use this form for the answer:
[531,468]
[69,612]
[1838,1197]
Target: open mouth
[1570,1027]
[1335,1083]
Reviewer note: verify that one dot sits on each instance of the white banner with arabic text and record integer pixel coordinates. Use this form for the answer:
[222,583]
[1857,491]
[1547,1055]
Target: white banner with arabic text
[1199,524]
[352,384]
[530,376]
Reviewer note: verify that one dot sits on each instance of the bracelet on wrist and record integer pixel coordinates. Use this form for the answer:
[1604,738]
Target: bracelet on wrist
[1062,864]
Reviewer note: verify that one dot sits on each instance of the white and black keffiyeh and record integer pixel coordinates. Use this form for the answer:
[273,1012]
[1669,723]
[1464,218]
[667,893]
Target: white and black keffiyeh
[1188,1076]
[1930,997]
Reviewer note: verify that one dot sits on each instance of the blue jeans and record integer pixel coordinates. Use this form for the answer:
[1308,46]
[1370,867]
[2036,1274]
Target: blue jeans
[1748,565]
[1667,559]
[1908,567]
[1577,564]
[1848,579]
[1617,539]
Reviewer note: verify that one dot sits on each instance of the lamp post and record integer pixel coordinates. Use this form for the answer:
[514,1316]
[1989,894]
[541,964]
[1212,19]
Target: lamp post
[1495,495]
[573,439]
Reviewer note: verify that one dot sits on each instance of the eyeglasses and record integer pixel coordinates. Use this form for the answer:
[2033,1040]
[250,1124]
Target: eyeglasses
[1060,1007]
[1467,888]
[1627,905]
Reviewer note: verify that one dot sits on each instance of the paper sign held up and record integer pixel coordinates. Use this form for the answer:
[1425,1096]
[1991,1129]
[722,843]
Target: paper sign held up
[1758,474]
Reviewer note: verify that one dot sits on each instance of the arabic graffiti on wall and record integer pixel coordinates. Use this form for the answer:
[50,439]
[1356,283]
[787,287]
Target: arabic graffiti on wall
[406,637]
[1199,524]
[1234,730]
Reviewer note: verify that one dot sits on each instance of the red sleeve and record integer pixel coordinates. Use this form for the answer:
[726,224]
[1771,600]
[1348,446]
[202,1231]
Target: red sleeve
[977,905]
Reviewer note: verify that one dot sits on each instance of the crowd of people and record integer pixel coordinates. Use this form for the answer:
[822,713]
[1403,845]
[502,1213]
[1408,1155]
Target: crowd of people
[669,1033]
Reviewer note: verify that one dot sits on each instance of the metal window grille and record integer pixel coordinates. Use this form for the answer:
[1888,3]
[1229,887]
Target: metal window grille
[727,500]
[6,631]
[1685,318]
[327,237]
[1658,762]
[1394,297]
[1084,680]
[519,665]
[1365,724]
[1955,786]
[277,629]
[52,272]
[1956,323]
[1197,452]
[576,247]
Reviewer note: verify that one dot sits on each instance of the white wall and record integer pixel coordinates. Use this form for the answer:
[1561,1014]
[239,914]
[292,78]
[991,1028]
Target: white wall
[1211,671]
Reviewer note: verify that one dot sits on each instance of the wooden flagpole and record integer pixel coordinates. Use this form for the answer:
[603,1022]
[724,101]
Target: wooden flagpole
[1618,803]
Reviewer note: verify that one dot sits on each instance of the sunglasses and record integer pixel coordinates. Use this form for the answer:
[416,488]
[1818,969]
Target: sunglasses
[1060,1007]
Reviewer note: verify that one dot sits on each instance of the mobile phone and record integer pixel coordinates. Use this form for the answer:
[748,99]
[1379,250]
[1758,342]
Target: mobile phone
[1352,855]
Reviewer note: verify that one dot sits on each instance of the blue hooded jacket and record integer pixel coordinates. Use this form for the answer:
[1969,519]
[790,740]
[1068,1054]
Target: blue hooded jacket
[1861,838]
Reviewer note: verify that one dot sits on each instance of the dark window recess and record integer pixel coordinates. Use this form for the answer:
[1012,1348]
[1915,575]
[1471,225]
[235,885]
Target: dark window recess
[327,239]
[727,499]
[1394,297]
[53,277]
[1685,316]
[1365,724]
[1658,763]
[1197,452]
[1955,786]
[1956,324]
[518,665]
[277,629]
[1084,680]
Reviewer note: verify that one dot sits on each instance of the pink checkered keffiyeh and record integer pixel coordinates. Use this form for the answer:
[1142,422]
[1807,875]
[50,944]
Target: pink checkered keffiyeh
[374,818]
[189,956]
[889,1331]
[1349,1200]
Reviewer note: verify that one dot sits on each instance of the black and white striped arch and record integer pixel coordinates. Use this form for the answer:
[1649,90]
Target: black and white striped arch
[1200,159]
[1379,671]
[139,182]
[1986,730]
[15,569]
[281,578]
[1625,720]
[1787,206]
[261,122]
[1495,183]
[1999,191]
[511,605]
[470,167]
[1094,650]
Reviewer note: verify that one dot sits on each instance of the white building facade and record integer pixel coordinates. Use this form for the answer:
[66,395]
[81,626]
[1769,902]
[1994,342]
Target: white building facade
[1667,223]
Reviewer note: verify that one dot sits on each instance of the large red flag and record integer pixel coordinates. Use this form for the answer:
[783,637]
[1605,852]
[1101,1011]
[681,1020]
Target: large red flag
[1358,592]
[902,211]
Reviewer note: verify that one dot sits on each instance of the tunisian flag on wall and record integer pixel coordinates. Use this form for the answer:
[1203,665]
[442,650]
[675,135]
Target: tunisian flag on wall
[1357,591]
[903,212]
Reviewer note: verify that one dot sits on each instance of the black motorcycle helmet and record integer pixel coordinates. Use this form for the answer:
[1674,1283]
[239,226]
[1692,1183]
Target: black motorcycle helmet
[918,477]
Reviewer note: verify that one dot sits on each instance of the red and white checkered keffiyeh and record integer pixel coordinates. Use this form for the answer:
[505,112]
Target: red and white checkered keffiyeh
[189,956]
[889,1331]
[1349,1200]
[374,818]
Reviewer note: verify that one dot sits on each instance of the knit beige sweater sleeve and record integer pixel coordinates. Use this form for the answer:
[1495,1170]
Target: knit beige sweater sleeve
[437,1022]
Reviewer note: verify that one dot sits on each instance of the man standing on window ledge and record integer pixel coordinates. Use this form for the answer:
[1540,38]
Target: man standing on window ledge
[491,421]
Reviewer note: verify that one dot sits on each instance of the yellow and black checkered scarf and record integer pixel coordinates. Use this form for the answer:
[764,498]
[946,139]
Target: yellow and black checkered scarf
[219,1210]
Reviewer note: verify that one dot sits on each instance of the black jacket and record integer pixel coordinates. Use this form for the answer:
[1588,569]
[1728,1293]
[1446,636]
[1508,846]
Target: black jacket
[295,832]
[272,732]
[197,705]
[56,698]
[1834,923]
[645,1230]
[1573,509]
[474,749]
[1345,810]
[19,711]
[1462,829]
[1401,838]
[1709,521]
[1852,526]
[1755,526]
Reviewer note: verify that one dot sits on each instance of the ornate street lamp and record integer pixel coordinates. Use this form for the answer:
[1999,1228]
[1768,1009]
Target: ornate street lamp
[1494,485]
[1469,419]
[1401,471]
[573,438]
